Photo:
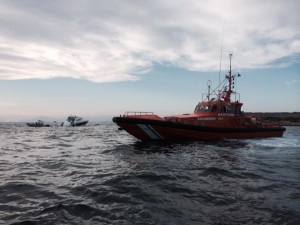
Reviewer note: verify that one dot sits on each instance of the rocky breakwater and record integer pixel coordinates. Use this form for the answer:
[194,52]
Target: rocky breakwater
[282,118]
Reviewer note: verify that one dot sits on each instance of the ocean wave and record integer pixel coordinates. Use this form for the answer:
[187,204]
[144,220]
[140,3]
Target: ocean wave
[99,175]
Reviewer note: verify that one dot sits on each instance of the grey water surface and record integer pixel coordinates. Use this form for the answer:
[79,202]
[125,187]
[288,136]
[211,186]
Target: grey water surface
[100,175]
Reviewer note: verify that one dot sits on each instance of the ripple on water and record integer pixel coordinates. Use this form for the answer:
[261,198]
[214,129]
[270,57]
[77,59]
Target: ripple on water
[99,175]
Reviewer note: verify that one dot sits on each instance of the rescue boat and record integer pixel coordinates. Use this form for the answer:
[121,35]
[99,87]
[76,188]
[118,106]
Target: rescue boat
[218,116]
[39,123]
[74,121]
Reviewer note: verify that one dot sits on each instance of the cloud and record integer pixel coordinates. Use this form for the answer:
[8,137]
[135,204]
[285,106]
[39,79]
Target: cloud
[7,104]
[292,82]
[107,41]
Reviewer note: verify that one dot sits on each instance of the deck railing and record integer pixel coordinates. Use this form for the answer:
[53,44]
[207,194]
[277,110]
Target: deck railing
[132,113]
[234,96]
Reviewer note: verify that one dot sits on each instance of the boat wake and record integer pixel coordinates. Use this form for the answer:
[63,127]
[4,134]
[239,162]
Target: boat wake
[279,143]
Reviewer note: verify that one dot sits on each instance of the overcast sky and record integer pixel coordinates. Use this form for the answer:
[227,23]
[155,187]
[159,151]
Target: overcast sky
[124,42]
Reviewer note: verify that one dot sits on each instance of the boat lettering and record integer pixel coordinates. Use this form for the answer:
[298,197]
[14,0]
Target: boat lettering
[225,114]
[206,118]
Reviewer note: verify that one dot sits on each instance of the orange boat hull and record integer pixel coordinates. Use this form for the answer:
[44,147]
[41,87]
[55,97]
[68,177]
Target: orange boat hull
[147,129]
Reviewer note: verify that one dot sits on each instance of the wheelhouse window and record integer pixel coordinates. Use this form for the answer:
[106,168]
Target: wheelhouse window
[214,108]
[206,108]
[222,109]
[226,109]
[202,108]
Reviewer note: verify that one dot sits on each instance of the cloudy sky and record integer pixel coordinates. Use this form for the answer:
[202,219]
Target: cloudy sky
[100,58]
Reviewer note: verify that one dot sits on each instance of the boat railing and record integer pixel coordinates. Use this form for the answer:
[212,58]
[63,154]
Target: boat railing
[133,113]
[212,97]
[236,97]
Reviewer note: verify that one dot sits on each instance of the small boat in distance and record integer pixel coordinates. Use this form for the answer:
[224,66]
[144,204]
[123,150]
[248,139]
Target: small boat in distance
[217,116]
[73,121]
[39,123]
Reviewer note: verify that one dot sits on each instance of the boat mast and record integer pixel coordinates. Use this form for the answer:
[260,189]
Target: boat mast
[229,78]
[208,85]
[221,55]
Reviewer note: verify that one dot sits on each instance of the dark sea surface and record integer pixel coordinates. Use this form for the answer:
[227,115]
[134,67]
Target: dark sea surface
[100,175]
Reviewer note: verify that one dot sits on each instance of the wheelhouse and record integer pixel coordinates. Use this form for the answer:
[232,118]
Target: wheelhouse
[218,107]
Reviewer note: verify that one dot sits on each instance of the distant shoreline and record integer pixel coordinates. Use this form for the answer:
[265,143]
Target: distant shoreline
[283,118]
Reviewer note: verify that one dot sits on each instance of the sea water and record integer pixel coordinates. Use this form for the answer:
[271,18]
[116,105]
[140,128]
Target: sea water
[100,175]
